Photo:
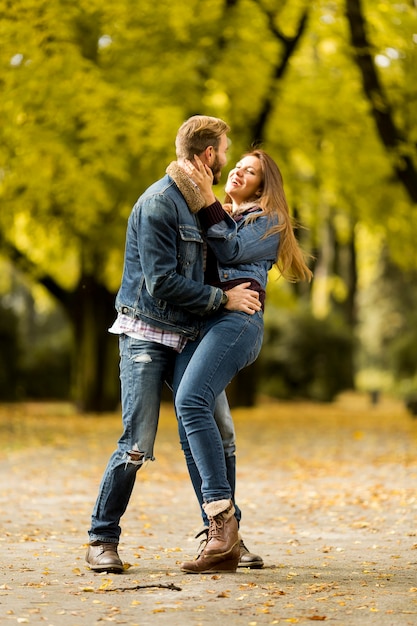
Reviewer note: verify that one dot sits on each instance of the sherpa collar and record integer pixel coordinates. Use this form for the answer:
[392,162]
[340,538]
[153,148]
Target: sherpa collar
[187,187]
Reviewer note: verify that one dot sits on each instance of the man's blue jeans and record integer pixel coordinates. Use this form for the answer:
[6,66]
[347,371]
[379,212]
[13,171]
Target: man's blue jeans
[144,366]
[228,342]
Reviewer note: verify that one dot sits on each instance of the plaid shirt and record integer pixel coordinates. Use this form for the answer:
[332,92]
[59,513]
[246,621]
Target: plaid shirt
[139,330]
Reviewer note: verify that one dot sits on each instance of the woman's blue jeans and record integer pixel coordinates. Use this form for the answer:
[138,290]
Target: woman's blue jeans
[226,427]
[228,342]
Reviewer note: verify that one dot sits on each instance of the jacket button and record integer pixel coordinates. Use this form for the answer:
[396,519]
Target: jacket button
[124,309]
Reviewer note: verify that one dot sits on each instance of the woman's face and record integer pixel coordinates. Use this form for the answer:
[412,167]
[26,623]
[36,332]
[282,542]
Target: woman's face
[245,180]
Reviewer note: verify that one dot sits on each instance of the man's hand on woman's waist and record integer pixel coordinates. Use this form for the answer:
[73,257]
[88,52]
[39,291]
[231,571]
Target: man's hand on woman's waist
[241,298]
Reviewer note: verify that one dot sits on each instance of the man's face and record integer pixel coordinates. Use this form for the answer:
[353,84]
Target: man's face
[220,159]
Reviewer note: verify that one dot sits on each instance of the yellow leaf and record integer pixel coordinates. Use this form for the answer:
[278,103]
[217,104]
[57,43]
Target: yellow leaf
[106,583]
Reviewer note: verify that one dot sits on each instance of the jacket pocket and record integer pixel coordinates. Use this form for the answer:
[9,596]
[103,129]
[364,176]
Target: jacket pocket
[190,245]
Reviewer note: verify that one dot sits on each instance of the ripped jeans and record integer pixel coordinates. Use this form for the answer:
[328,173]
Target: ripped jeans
[144,366]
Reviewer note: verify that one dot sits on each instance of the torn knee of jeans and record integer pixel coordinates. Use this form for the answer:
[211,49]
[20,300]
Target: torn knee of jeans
[135,456]
[143,358]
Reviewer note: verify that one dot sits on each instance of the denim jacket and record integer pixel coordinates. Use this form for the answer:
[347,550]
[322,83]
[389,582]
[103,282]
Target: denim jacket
[241,250]
[162,282]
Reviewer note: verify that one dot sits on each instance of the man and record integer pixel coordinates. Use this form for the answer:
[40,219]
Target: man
[160,303]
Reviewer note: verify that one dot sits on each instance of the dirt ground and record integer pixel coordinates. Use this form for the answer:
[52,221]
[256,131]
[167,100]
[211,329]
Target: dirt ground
[328,494]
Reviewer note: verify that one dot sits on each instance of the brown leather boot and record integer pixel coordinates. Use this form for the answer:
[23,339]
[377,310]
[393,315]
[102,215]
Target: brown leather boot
[222,550]
[103,557]
[247,558]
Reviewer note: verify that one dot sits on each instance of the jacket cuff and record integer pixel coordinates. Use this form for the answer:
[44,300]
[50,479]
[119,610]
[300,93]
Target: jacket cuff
[212,214]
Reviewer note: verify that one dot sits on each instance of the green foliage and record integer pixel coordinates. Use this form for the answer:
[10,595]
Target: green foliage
[35,342]
[304,357]
[45,356]
[93,93]
[396,326]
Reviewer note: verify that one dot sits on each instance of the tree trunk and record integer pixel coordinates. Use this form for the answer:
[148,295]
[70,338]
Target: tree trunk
[345,266]
[95,380]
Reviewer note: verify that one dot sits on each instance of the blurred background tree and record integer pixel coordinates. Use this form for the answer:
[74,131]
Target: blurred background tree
[92,96]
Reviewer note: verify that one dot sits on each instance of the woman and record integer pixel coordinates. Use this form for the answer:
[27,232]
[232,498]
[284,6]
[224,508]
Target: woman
[242,248]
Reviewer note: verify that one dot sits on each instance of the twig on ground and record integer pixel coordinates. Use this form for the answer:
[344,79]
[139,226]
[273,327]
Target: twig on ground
[159,586]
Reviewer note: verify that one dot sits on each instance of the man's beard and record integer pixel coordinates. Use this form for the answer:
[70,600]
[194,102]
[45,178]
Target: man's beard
[217,171]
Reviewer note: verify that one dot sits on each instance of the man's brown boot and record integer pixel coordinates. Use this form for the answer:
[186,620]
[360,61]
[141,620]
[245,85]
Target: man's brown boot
[222,550]
[103,557]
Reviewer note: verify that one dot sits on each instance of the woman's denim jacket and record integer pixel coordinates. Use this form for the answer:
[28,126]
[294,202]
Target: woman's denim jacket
[241,249]
[162,281]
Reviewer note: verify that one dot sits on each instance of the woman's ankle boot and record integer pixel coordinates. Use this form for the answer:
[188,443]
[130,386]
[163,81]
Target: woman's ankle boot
[221,552]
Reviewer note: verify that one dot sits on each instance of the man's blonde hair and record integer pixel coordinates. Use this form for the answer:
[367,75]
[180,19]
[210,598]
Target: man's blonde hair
[198,133]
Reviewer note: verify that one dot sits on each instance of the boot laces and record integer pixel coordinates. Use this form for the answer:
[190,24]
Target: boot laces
[243,547]
[216,524]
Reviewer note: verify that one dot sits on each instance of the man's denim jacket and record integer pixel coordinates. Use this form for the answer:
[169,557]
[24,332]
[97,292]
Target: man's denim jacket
[162,281]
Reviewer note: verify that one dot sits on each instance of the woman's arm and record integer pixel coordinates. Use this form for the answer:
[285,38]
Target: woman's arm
[244,243]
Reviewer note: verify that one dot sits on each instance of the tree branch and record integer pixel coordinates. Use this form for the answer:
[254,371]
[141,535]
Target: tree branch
[390,134]
[281,64]
[26,266]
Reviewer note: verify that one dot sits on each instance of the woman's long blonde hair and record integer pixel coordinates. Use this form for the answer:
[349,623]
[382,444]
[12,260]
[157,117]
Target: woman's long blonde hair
[291,261]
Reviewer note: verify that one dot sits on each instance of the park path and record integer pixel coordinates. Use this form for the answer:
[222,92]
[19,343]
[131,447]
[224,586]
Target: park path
[328,494]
